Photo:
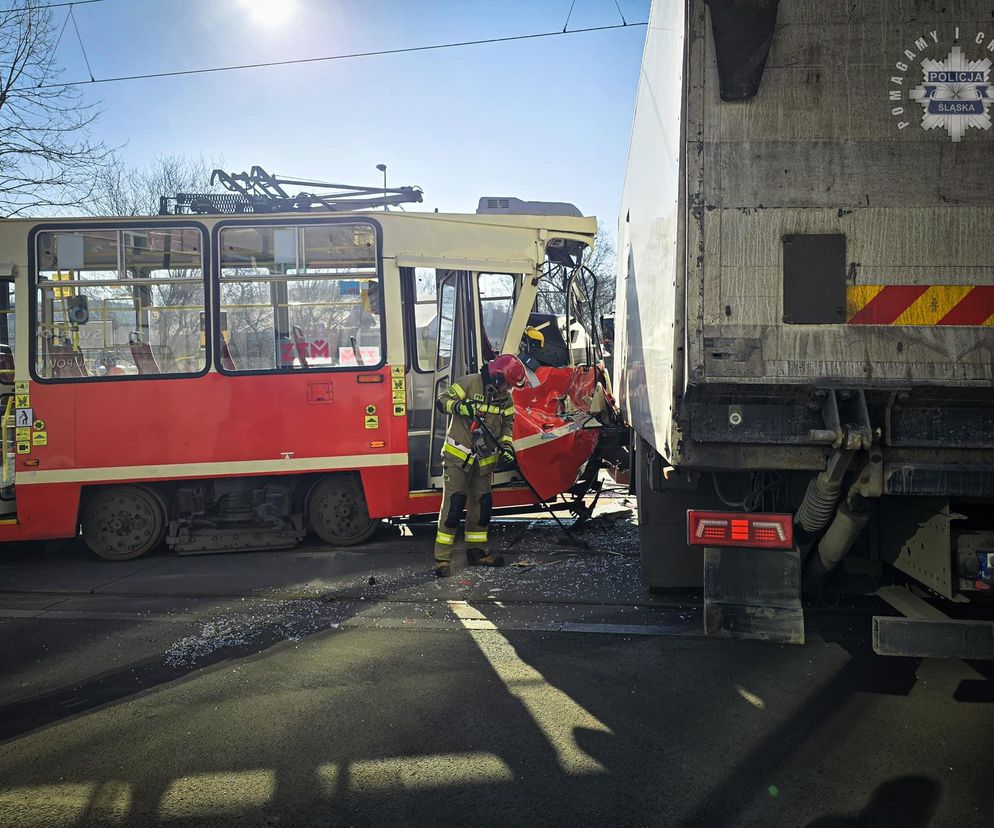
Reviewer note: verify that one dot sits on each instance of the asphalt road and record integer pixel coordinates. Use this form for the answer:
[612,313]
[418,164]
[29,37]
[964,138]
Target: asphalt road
[286,689]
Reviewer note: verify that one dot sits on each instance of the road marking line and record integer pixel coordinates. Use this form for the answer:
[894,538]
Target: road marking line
[557,715]
[89,615]
[383,622]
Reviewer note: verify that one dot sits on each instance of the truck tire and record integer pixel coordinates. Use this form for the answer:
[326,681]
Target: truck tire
[337,512]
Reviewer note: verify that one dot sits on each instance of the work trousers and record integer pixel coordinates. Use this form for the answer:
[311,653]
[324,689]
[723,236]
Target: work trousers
[465,488]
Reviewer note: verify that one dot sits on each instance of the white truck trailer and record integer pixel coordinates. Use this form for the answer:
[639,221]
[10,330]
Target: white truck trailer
[804,338]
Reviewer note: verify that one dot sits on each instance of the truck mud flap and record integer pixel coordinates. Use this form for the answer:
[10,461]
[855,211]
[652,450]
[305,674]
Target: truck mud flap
[753,593]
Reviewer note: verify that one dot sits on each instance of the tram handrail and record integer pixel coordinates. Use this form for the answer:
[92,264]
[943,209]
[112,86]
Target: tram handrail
[7,472]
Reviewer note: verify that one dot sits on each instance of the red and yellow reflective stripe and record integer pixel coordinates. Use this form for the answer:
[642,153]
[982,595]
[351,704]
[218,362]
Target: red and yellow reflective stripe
[920,305]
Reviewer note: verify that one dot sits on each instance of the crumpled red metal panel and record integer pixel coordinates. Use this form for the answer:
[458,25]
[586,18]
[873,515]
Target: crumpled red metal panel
[551,441]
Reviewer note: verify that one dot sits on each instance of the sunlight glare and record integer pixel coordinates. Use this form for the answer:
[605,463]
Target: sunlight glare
[268,12]
[752,698]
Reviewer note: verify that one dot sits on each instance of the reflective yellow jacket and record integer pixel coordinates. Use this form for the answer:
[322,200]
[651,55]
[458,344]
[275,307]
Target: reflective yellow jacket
[496,409]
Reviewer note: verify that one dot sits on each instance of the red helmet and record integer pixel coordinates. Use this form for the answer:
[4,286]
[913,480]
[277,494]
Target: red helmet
[507,369]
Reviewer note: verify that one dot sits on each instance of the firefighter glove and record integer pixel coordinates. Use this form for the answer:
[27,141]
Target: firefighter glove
[507,453]
[466,407]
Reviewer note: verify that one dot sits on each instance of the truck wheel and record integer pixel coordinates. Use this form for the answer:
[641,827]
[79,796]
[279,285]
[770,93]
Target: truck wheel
[337,513]
[123,522]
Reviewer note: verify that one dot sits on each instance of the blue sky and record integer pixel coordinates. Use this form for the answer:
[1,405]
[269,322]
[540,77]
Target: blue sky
[543,119]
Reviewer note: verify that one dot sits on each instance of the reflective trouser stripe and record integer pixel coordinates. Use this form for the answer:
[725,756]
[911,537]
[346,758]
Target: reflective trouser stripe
[469,486]
[458,453]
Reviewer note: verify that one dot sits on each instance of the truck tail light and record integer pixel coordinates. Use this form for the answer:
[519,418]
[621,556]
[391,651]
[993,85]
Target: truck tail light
[765,531]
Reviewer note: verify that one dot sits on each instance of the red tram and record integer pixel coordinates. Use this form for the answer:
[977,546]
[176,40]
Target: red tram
[229,382]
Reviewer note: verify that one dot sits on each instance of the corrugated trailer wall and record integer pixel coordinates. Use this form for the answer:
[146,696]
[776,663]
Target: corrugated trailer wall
[832,238]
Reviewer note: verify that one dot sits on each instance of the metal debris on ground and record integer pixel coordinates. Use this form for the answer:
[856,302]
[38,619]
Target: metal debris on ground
[235,628]
[608,574]
[617,534]
[608,517]
[535,564]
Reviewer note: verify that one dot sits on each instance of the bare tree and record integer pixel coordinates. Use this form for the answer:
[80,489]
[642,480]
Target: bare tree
[597,285]
[602,262]
[47,158]
[120,190]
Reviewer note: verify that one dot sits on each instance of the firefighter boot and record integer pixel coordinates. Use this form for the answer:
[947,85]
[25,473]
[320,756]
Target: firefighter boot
[480,557]
[443,569]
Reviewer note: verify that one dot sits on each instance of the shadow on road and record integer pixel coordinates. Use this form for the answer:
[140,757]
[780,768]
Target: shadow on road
[908,801]
[381,726]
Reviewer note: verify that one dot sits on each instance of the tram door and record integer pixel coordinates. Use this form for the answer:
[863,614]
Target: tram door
[8,409]
[456,354]
[441,344]
[8,506]
[458,320]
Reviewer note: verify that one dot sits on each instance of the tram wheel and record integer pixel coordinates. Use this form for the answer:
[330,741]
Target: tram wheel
[337,512]
[123,522]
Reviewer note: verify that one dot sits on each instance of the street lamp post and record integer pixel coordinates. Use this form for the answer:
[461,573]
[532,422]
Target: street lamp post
[383,169]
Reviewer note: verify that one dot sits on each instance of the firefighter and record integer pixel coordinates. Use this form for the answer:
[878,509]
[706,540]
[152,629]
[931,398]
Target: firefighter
[469,456]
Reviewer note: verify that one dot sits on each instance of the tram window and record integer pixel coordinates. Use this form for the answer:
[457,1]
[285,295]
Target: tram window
[426,315]
[496,307]
[446,324]
[120,302]
[301,297]
[8,324]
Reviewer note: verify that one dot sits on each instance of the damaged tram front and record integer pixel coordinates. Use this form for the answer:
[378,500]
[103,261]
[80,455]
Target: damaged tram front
[233,381]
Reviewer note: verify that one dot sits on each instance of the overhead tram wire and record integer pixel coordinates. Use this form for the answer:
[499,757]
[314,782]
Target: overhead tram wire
[62,31]
[347,56]
[569,14]
[21,9]
[82,48]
